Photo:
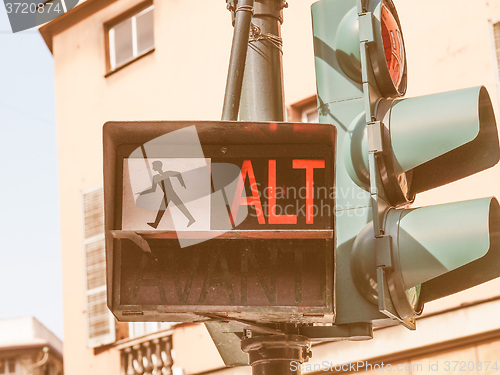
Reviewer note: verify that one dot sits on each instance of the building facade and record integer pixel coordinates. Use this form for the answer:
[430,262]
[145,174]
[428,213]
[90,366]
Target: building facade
[28,348]
[126,60]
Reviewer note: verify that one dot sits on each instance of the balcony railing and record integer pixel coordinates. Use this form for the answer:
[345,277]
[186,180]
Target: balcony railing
[147,355]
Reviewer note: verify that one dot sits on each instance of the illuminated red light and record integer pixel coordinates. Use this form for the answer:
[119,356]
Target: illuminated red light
[393,45]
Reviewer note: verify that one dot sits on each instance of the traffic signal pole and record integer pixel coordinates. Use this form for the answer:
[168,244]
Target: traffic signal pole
[277,354]
[262,100]
[262,96]
[242,22]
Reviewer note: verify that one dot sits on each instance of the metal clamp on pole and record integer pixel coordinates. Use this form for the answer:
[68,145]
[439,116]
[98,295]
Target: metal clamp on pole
[277,355]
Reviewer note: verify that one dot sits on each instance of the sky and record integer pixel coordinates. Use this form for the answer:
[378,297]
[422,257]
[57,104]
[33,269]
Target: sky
[30,254]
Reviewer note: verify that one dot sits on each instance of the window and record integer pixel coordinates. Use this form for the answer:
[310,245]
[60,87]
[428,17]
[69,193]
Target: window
[130,38]
[7,366]
[310,114]
[137,329]
[304,111]
[101,329]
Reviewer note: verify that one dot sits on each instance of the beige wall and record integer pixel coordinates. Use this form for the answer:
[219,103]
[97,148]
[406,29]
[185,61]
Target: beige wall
[448,45]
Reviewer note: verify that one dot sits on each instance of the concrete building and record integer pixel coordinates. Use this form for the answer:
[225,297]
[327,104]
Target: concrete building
[167,60]
[27,347]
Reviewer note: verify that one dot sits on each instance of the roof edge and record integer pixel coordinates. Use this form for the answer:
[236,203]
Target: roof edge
[30,346]
[68,19]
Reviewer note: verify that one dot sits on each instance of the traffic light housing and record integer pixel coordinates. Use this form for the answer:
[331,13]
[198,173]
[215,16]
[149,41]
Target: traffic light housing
[391,259]
[252,254]
[436,251]
[428,141]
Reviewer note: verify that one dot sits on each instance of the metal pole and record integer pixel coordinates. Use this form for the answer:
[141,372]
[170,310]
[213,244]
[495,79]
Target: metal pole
[262,100]
[242,20]
[256,51]
[262,97]
[277,355]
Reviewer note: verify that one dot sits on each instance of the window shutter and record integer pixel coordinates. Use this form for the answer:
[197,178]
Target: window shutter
[100,321]
[496,36]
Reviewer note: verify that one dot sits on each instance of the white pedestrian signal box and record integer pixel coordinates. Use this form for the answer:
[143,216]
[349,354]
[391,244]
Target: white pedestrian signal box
[210,219]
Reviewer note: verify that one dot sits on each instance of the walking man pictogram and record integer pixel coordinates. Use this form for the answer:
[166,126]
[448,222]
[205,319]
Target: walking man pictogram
[169,195]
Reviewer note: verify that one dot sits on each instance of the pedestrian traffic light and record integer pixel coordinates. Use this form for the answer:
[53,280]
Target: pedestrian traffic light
[391,259]
[218,220]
